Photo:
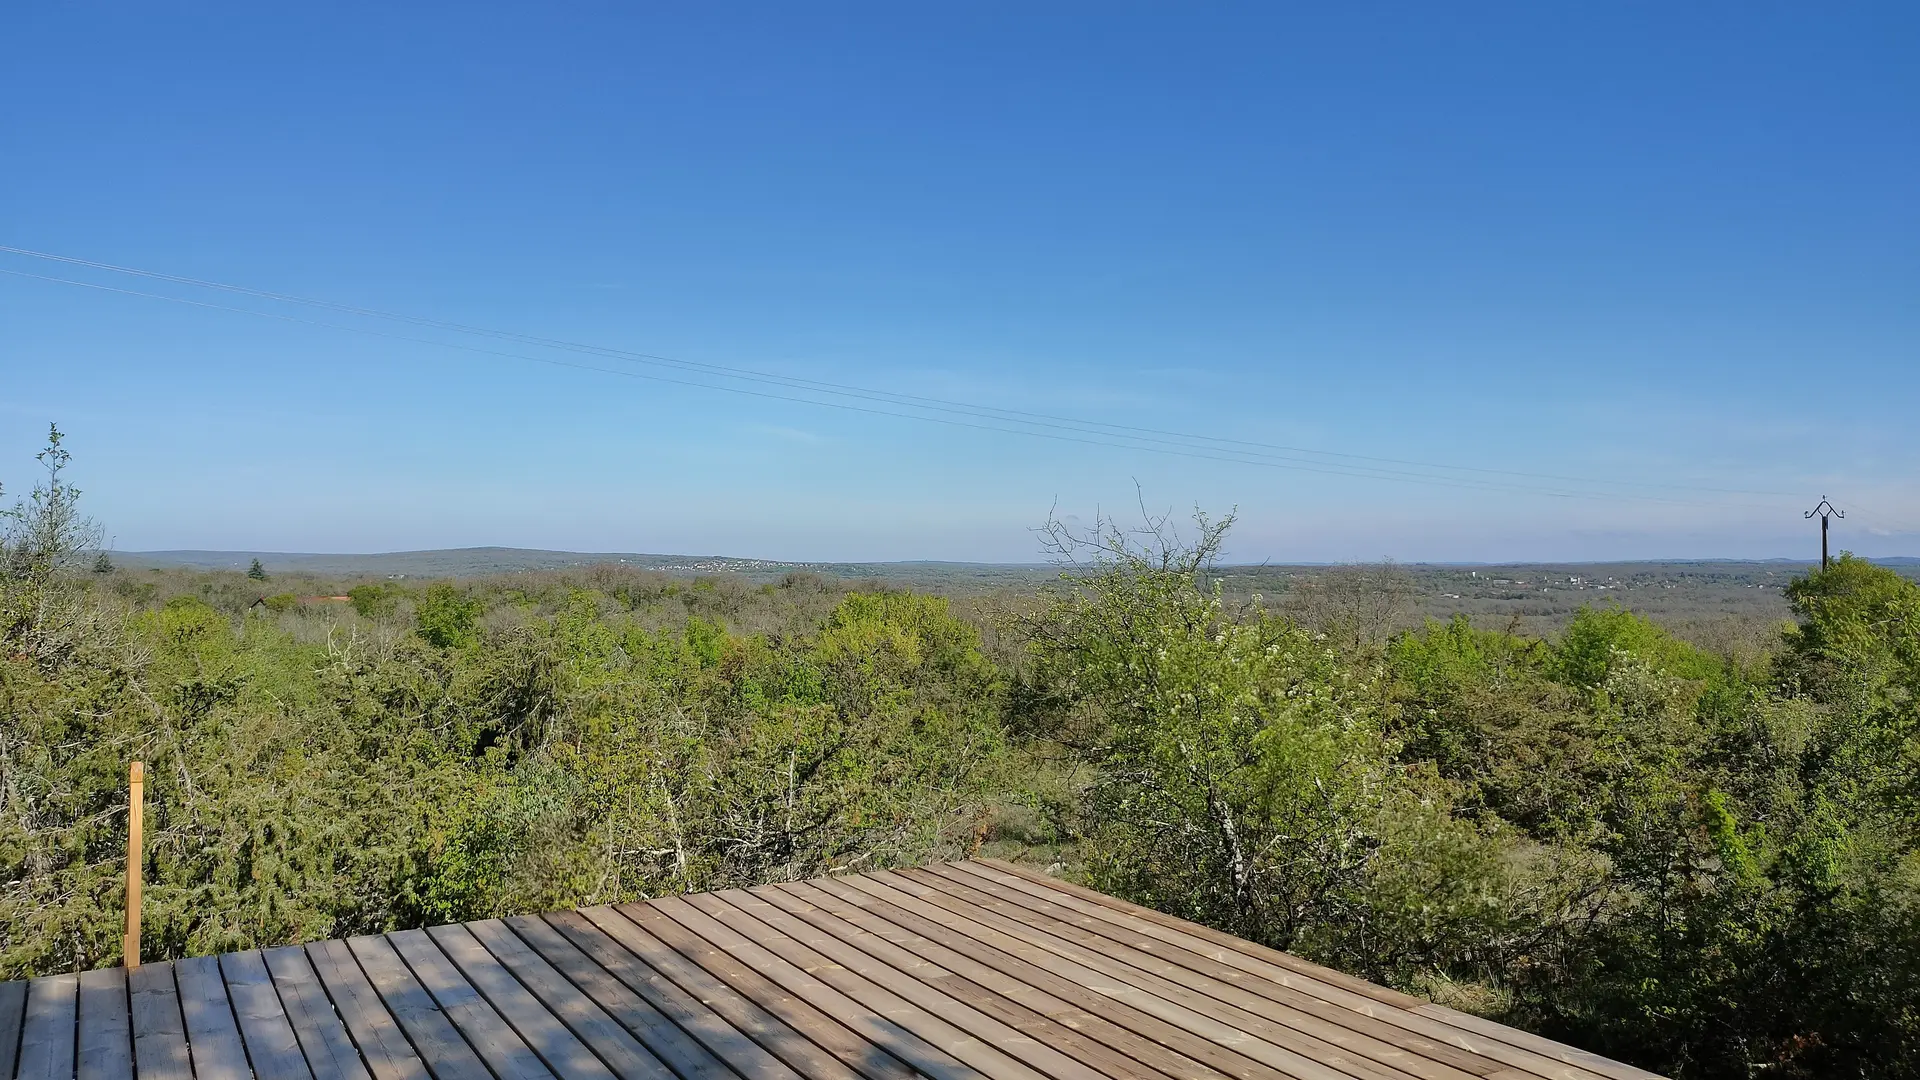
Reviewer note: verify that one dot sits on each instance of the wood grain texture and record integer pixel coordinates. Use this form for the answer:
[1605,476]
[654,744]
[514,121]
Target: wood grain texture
[159,1029]
[979,970]
[271,1045]
[212,1035]
[47,1035]
[324,1041]
[106,1026]
[13,1014]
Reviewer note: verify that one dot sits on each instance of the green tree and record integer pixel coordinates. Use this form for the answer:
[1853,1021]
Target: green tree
[256,572]
[448,617]
[102,564]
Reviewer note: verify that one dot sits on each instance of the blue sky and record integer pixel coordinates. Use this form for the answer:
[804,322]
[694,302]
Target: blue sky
[1673,248]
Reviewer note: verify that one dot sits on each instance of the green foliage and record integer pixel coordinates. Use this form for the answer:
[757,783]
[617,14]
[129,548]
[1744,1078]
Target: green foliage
[280,603]
[1705,864]
[376,602]
[1601,640]
[256,572]
[1753,830]
[447,617]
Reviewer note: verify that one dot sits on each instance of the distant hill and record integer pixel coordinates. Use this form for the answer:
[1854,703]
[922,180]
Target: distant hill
[481,561]
[478,561]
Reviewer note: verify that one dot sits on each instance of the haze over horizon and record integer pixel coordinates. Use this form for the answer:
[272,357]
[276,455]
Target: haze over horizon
[1489,284]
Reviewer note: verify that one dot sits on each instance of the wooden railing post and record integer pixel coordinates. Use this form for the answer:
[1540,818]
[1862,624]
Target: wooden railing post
[136,800]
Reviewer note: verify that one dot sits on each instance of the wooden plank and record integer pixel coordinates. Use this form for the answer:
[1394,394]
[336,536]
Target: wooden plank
[680,1051]
[1199,970]
[1528,1040]
[983,994]
[271,1045]
[1084,1024]
[756,919]
[46,1037]
[544,1034]
[212,1036]
[1039,968]
[743,1011]
[381,1042]
[439,1044]
[1382,994]
[1282,1025]
[13,1015]
[613,950]
[502,1048]
[1093,971]
[106,1027]
[626,1056]
[941,1010]
[1173,938]
[617,944]
[855,1052]
[323,1038]
[159,1029]
[1200,980]
[1425,1034]
[875,1027]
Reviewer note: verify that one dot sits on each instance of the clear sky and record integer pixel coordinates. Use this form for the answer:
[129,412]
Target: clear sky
[1674,248]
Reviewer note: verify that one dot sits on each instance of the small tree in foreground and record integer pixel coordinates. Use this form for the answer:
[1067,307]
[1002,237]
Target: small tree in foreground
[42,539]
[1241,772]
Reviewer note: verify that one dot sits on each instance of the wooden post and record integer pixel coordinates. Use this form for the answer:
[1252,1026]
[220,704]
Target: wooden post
[136,800]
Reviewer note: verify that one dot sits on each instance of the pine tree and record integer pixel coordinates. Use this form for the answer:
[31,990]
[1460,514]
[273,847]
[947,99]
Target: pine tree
[102,564]
[256,571]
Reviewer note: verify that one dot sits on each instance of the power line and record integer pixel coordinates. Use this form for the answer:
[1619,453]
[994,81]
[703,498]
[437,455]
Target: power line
[1330,470]
[866,393]
[1193,446]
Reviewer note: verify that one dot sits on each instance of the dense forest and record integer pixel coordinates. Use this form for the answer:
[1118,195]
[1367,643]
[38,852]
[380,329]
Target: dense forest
[1699,860]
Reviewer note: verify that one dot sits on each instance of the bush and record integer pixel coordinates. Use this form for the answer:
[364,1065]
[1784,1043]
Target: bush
[448,617]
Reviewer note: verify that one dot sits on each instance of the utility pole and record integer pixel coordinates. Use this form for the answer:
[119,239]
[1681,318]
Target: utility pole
[1825,510]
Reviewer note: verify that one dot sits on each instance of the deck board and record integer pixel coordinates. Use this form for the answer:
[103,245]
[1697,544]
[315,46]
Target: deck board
[13,1014]
[323,1038]
[1276,1019]
[271,1045]
[978,970]
[878,1029]
[1037,968]
[47,1036]
[672,952]
[744,913]
[1285,1055]
[159,1029]
[622,948]
[625,1056]
[106,1028]
[564,1055]
[439,1044]
[1083,1026]
[213,1038]
[382,1042]
[689,1058]
[833,1037]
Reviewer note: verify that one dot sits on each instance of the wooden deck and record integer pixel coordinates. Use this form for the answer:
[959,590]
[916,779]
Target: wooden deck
[970,971]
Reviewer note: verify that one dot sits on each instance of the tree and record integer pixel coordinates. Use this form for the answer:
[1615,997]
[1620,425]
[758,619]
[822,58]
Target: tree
[1241,770]
[448,617]
[42,538]
[256,571]
[45,532]
[102,564]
